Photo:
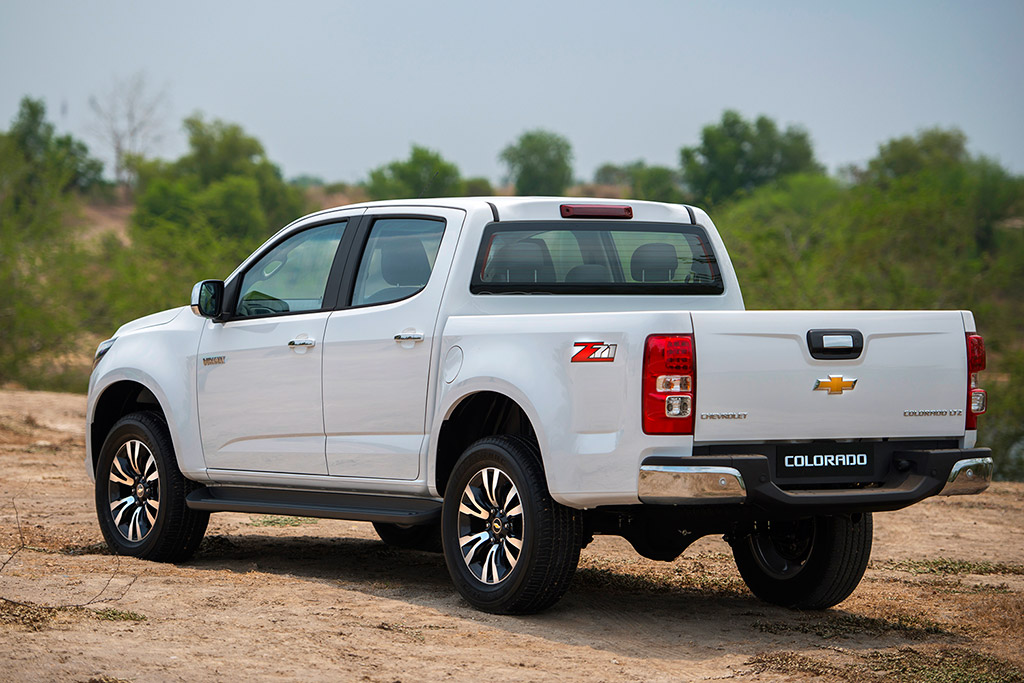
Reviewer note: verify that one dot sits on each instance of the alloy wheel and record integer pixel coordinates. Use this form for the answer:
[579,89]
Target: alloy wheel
[133,490]
[491,528]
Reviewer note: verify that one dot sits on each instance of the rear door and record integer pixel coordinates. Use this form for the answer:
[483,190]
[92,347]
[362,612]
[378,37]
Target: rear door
[379,349]
[758,378]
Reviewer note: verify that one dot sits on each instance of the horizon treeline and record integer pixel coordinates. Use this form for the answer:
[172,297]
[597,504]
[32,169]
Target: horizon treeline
[924,224]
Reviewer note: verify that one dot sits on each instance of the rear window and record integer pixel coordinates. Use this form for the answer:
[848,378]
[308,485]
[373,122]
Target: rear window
[595,258]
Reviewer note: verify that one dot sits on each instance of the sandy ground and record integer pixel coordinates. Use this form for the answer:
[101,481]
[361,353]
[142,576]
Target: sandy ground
[289,599]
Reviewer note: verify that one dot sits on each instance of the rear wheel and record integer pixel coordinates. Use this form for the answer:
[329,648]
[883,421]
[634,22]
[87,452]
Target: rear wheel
[812,563]
[510,548]
[411,536]
[140,493]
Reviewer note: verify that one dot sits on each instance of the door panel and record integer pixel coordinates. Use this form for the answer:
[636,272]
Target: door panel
[376,386]
[260,408]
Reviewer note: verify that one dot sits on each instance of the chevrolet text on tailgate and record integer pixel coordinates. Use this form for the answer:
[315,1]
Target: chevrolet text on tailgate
[500,379]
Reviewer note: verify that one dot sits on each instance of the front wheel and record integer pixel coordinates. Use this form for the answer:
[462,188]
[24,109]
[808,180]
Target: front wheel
[510,548]
[140,493]
[813,563]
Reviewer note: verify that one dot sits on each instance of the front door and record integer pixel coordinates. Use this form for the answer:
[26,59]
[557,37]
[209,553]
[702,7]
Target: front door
[259,386]
[378,351]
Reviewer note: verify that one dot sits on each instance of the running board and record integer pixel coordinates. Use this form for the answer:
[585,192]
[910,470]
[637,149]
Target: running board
[352,506]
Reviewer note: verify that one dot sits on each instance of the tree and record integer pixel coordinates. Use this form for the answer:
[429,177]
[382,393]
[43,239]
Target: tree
[477,187]
[736,156]
[656,183]
[129,120]
[939,158]
[539,163]
[225,179]
[424,174]
[44,152]
[613,174]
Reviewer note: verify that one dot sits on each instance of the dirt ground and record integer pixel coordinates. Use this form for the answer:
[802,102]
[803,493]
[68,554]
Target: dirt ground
[294,599]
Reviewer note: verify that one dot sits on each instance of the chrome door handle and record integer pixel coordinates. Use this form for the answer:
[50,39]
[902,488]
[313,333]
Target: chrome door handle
[414,337]
[302,342]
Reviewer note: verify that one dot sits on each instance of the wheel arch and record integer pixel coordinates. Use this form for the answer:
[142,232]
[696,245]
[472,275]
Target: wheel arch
[118,399]
[473,416]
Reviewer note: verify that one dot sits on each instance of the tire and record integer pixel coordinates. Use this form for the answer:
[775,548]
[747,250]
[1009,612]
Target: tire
[425,537]
[510,548]
[140,493]
[813,563]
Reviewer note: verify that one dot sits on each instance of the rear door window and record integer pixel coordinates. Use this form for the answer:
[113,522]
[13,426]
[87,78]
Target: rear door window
[398,259]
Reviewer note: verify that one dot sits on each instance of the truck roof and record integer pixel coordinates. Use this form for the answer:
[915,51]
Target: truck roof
[543,208]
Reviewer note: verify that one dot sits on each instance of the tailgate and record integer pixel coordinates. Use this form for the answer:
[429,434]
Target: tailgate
[756,375]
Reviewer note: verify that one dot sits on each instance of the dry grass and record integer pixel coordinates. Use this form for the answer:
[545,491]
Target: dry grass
[904,665]
[845,625]
[947,566]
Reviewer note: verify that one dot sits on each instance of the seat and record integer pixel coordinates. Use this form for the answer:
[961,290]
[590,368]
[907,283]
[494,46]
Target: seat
[588,273]
[525,261]
[654,262]
[403,265]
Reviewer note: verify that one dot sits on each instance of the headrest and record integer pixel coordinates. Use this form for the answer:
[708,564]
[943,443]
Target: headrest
[403,261]
[524,261]
[588,272]
[655,262]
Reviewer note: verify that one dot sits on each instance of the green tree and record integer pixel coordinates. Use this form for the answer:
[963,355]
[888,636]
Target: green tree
[539,163]
[477,187]
[225,180]
[939,157]
[736,156]
[656,183]
[424,174]
[37,256]
[44,151]
[613,174]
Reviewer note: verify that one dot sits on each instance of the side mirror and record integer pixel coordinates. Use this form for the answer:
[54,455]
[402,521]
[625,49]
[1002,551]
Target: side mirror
[208,298]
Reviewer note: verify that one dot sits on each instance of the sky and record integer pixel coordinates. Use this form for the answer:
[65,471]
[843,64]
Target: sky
[333,89]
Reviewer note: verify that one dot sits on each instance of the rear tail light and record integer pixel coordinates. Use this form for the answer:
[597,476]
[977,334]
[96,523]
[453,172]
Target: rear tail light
[977,399]
[669,384]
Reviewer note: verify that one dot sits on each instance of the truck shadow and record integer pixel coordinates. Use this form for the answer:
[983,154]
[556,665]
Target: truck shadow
[614,610]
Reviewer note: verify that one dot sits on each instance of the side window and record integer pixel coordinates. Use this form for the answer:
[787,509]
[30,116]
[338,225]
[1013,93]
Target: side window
[398,259]
[291,277]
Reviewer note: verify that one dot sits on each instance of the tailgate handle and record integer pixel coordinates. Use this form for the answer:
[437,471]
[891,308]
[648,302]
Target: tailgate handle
[835,344]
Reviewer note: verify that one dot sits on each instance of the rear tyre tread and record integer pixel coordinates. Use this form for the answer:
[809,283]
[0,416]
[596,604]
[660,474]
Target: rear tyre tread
[842,548]
[557,532]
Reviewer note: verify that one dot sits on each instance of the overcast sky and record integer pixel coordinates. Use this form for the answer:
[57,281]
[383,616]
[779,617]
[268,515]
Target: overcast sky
[334,89]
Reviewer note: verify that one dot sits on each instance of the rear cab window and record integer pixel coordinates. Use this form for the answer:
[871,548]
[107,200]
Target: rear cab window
[595,258]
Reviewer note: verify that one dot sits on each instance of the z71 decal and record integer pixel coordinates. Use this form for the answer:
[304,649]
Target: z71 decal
[593,352]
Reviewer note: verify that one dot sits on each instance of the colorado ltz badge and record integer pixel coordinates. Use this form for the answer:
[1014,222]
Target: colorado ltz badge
[593,352]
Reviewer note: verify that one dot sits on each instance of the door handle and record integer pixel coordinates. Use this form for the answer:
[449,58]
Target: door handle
[302,342]
[406,336]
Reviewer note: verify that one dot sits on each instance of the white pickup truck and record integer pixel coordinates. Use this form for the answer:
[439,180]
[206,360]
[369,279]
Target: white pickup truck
[503,378]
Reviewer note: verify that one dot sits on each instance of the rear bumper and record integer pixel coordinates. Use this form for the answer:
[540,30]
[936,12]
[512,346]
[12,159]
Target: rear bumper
[747,479]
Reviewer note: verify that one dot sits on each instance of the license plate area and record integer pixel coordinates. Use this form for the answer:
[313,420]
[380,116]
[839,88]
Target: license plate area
[811,463]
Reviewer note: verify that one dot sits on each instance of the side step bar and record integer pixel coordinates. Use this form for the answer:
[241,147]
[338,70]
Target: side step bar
[352,506]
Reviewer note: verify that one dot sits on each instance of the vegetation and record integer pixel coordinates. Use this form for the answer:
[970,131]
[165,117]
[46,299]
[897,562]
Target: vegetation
[736,156]
[539,163]
[922,225]
[424,174]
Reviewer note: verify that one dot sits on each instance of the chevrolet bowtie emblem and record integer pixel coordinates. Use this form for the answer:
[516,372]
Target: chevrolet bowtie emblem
[835,384]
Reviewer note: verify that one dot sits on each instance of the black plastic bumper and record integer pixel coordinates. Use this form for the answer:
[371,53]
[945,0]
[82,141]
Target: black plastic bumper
[908,476]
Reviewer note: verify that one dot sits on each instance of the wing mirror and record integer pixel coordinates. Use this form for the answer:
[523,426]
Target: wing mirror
[208,299]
